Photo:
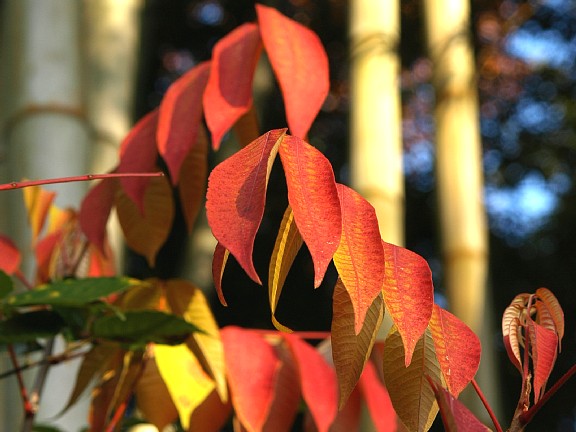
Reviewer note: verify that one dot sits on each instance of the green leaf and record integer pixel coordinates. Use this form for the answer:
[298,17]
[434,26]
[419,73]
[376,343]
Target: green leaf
[6,284]
[45,428]
[142,327]
[72,292]
[28,327]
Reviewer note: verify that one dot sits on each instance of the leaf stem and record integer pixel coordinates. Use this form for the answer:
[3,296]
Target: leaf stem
[28,408]
[486,405]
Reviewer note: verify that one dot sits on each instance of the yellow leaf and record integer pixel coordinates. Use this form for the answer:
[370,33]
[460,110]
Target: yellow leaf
[187,382]
[146,295]
[37,201]
[410,392]
[350,351]
[286,248]
[146,232]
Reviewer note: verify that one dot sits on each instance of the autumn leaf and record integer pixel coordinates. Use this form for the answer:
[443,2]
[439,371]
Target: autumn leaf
[548,307]
[228,94]
[359,258]
[236,197]
[457,349]
[146,232]
[9,255]
[300,65]
[38,202]
[350,351]
[511,328]
[408,294]
[252,366]
[95,211]
[288,243]
[409,390]
[543,343]
[218,264]
[180,118]
[377,400]
[313,197]
[211,415]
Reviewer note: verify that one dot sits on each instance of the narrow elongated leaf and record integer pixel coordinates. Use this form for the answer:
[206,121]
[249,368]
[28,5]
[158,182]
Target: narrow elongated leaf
[95,211]
[30,326]
[288,243]
[72,292]
[350,351]
[138,154]
[147,231]
[314,200]
[180,117]
[409,390]
[37,201]
[237,194]
[359,258]
[543,343]
[554,311]
[9,255]
[455,415]
[457,349]
[229,91]
[408,294]
[317,380]
[218,264]
[511,328]
[377,400]
[300,65]
[252,366]
[187,383]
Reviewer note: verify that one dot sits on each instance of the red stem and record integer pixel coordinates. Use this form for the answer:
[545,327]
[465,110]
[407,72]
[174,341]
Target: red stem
[486,405]
[86,177]
[28,408]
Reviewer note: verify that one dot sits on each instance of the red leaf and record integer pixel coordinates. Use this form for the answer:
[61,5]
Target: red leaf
[408,294]
[300,64]
[252,366]
[511,329]
[549,309]
[457,349]
[543,344]
[218,263]
[9,255]
[237,194]
[314,200]
[229,91]
[138,154]
[317,380]
[95,211]
[180,117]
[377,400]
[359,258]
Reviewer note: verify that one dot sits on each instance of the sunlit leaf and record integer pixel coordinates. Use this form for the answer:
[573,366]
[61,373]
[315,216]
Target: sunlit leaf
[511,328]
[9,255]
[409,390]
[252,366]
[193,174]
[554,310]
[37,201]
[180,118]
[288,243]
[186,300]
[218,264]
[543,343]
[359,258]
[457,349]
[408,294]
[146,296]
[317,381]
[300,65]
[377,400]
[187,383]
[30,326]
[95,211]
[100,264]
[228,94]
[455,416]
[350,351]
[314,200]
[146,231]
[237,194]
[138,154]
[211,415]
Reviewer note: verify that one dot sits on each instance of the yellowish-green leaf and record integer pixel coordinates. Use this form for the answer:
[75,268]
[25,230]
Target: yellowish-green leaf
[288,243]
[409,389]
[187,382]
[141,297]
[350,351]
[188,301]
[146,232]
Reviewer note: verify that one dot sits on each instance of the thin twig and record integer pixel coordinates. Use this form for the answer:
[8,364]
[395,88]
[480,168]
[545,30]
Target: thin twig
[28,410]
[486,405]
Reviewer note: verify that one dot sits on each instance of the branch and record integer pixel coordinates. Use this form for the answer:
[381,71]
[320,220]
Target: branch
[28,408]
[486,405]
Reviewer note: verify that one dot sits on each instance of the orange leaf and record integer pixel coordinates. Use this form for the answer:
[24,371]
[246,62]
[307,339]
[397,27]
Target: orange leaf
[359,258]
[543,343]
[210,415]
[377,400]
[95,211]
[286,248]
[300,64]
[192,185]
[317,380]
[228,94]
[237,194]
[408,294]
[457,349]
[511,328]
[180,118]
[146,233]
[252,366]
[9,255]
[350,351]
[314,200]
[37,201]
[218,263]
[138,154]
